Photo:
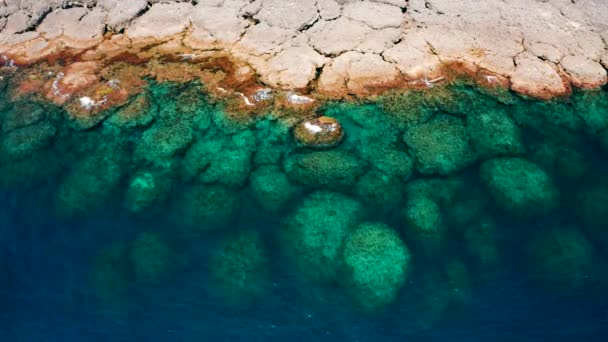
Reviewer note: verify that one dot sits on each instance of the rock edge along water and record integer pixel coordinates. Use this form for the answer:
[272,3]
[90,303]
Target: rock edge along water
[334,47]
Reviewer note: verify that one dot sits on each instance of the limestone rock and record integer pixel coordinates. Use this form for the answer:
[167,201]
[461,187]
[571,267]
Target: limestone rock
[321,132]
[289,14]
[584,73]
[162,20]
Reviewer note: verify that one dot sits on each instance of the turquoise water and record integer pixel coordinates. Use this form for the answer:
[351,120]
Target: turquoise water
[448,215]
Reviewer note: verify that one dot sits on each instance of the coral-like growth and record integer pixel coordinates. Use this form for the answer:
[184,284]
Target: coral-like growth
[440,146]
[376,264]
[519,186]
[202,208]
[271,187]
[327,169]
[493,134]
[239,269]
[314,233]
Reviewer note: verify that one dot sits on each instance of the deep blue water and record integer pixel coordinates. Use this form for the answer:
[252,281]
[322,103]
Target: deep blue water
[48,298]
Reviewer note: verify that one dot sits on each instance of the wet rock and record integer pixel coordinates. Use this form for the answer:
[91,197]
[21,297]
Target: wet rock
[440,146]
[25,114]
[22,142]
[271,187]
[319,133]
[138,112]
[328,169]
[314,233]
[493,134]
[520,187]
[377,264]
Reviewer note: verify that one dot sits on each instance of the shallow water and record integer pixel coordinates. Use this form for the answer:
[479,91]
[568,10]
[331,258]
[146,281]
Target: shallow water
[190,222]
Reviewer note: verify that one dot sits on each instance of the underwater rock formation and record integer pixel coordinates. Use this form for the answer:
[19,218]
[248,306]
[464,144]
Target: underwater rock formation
[376,264]
[240,270]
[314,233]
[519,186]
[319,133]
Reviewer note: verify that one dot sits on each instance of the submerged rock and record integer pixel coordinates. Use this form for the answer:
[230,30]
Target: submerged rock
[319,133]
[331,169]
[562,258]
[146,188]
[376,264]
[204,208]
[313,234]
[23,141]
[240,270]
[520,187]
[493,134]
[440,146]
[271,188]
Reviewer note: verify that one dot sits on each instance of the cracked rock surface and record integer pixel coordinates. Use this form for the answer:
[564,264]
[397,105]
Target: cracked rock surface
[540,48]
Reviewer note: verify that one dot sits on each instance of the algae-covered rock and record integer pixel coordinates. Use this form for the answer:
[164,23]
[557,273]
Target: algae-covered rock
[313,234]
[240,270]
[326,169]
[149,257]
[319,133]
[23,115]
[393,163]
[520,187]
[406,109]
[137,113]
[164,139]
[423,218]
[146,188]
[440,146]
[202,208]
[23,141]
[493,134]
[562,258]
[271,187]
[381,191]
[376,264]
[221,160]
[90,183]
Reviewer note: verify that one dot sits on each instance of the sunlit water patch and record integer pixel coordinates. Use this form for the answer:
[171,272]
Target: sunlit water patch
[449,215]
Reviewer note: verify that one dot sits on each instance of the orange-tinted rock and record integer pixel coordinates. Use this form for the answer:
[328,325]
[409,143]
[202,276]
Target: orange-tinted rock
[319,133]
[71,79]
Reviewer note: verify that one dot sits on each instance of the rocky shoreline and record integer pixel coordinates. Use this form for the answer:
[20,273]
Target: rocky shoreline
[330,48]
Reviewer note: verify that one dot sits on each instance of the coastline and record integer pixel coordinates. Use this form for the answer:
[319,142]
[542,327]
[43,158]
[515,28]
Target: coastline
[326,48]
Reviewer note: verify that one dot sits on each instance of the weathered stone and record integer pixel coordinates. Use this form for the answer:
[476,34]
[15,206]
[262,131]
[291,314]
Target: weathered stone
[321,132]
[162,20]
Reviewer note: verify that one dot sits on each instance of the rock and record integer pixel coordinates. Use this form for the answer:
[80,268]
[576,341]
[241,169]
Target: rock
[326,169]
[240,270]
[583,72]
[161,21]
[271,187]
[292,68]
[313,234]
[319,133]
[493,134]
[289,14]
[22,142]
[536,78]
[23,115]
[520,187]
[377,264]
[375,15]
[440,146]
[120,12]
[358,73]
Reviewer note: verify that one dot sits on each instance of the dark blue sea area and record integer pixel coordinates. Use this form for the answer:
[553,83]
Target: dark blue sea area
[451,214]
